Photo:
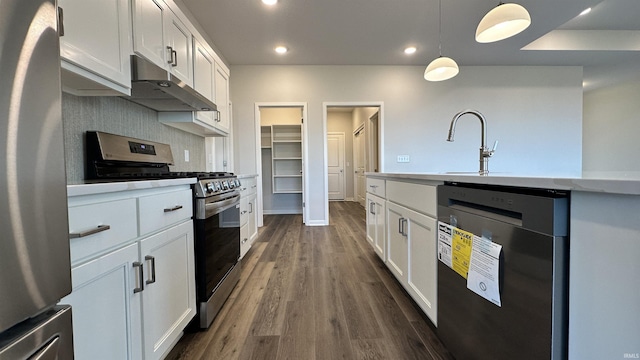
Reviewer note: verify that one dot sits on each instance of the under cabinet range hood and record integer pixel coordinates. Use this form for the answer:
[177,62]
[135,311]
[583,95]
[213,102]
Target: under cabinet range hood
[158,89]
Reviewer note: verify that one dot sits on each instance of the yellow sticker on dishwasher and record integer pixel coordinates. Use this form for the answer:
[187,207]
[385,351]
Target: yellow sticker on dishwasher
[461,243]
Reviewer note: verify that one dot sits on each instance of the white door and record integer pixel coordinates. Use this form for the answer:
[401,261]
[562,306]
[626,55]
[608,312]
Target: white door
[359,150]
[335,161]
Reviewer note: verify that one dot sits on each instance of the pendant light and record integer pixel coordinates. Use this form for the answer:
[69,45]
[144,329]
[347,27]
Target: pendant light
[442,68]
[503,21]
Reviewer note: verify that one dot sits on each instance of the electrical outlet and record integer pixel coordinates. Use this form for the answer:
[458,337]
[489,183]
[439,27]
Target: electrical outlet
[403,158]
[186,155]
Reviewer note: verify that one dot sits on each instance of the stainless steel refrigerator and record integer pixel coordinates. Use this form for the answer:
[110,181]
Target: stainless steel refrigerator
[34,246]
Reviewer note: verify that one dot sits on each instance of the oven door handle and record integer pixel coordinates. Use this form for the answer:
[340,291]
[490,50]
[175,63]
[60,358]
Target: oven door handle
[220,206]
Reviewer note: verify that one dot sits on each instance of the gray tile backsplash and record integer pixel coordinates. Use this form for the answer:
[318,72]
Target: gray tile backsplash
[119,116]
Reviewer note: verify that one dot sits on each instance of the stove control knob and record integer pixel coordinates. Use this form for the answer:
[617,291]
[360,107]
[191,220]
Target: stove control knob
[232,184]
[218,186]
[210,188]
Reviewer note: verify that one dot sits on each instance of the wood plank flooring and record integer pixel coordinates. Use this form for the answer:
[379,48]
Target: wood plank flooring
[315,293]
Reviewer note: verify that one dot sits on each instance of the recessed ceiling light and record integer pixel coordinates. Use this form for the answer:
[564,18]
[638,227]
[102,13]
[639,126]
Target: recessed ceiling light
[410,50]
[281,49]
[269,2]
[585,11]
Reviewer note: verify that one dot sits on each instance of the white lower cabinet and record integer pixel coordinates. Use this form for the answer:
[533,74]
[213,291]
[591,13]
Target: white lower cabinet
[412,240]
[133,296]
[248,215]
[376,225]
[106,311]
[168,298]
[397,238]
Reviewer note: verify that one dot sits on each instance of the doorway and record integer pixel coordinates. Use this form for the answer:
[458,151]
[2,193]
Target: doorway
[281,156]
[362,124]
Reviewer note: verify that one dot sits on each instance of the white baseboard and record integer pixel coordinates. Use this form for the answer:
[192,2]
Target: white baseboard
[282,212]
[350,199]
[316,223]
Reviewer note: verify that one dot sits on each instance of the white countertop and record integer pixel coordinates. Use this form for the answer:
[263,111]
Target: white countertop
[627,186]
[246,176]
[90,188]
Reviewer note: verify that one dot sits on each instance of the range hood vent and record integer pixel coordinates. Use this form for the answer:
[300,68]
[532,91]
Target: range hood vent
[157,89]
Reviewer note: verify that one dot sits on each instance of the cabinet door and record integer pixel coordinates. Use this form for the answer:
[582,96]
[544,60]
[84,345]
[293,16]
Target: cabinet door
[397,250]
[245,245]
[253,219]
[371,220]
[380,243]
[178,38]
[96,38]
[422,275]
[148,30]
[106,312]
[168,299]
[203,79]
[222,98]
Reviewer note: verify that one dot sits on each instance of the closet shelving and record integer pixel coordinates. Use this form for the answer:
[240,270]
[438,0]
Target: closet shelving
[286,157]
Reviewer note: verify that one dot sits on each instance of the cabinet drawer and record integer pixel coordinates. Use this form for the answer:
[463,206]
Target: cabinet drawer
[162,210]
[376,187]
[119,215]
[248,187]
[419,197]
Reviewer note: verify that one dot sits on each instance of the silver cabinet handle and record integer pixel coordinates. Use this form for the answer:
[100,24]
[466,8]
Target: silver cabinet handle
[100,228]
[177,207]
[170,49]
[250,208]
[174,55]
[245,240]
[404,227]
[139,278]
[372,208]
[60,21]
[400,225]
[254,186]
[243,212]
[217,116]
[153,269]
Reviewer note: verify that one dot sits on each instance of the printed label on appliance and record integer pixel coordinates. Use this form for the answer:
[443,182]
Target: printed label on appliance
[461,243]
[444,243]
[484,269]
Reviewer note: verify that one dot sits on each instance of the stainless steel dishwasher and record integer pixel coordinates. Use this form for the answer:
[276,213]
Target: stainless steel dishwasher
[531,225]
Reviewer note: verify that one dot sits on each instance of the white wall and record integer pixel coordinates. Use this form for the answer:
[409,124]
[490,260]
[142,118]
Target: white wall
[535,112]
[610,131]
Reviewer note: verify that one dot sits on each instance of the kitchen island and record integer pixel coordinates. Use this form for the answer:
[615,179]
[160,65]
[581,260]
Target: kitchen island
[604,265]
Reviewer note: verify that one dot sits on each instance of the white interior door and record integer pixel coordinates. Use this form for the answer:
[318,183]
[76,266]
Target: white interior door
[335,163]
[359,164]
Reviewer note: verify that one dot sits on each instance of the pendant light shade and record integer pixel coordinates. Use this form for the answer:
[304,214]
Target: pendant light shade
[503,21]
[442,68]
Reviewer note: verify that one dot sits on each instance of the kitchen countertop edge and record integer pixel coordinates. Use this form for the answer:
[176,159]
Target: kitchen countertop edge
[90,188]
[596,185]
[246,176]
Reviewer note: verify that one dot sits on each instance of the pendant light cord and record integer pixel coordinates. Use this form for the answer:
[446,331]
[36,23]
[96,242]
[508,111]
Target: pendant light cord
[440,28]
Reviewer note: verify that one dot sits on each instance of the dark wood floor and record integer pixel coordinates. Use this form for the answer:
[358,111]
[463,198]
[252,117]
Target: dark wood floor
[315,293]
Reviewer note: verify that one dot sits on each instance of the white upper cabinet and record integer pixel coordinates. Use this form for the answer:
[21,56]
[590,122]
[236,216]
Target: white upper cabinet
[160,37]
[95,46]
[204,80]
[178,40]
[148,33]
[222,98]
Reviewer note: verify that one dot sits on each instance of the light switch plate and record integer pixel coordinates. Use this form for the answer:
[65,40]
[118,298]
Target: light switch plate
[186,155]
[403,158]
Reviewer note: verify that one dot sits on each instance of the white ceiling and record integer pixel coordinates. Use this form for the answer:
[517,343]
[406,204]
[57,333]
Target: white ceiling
[375,32]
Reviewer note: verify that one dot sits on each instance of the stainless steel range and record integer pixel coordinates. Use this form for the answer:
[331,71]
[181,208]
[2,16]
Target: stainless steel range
[217,235]
[216,209]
